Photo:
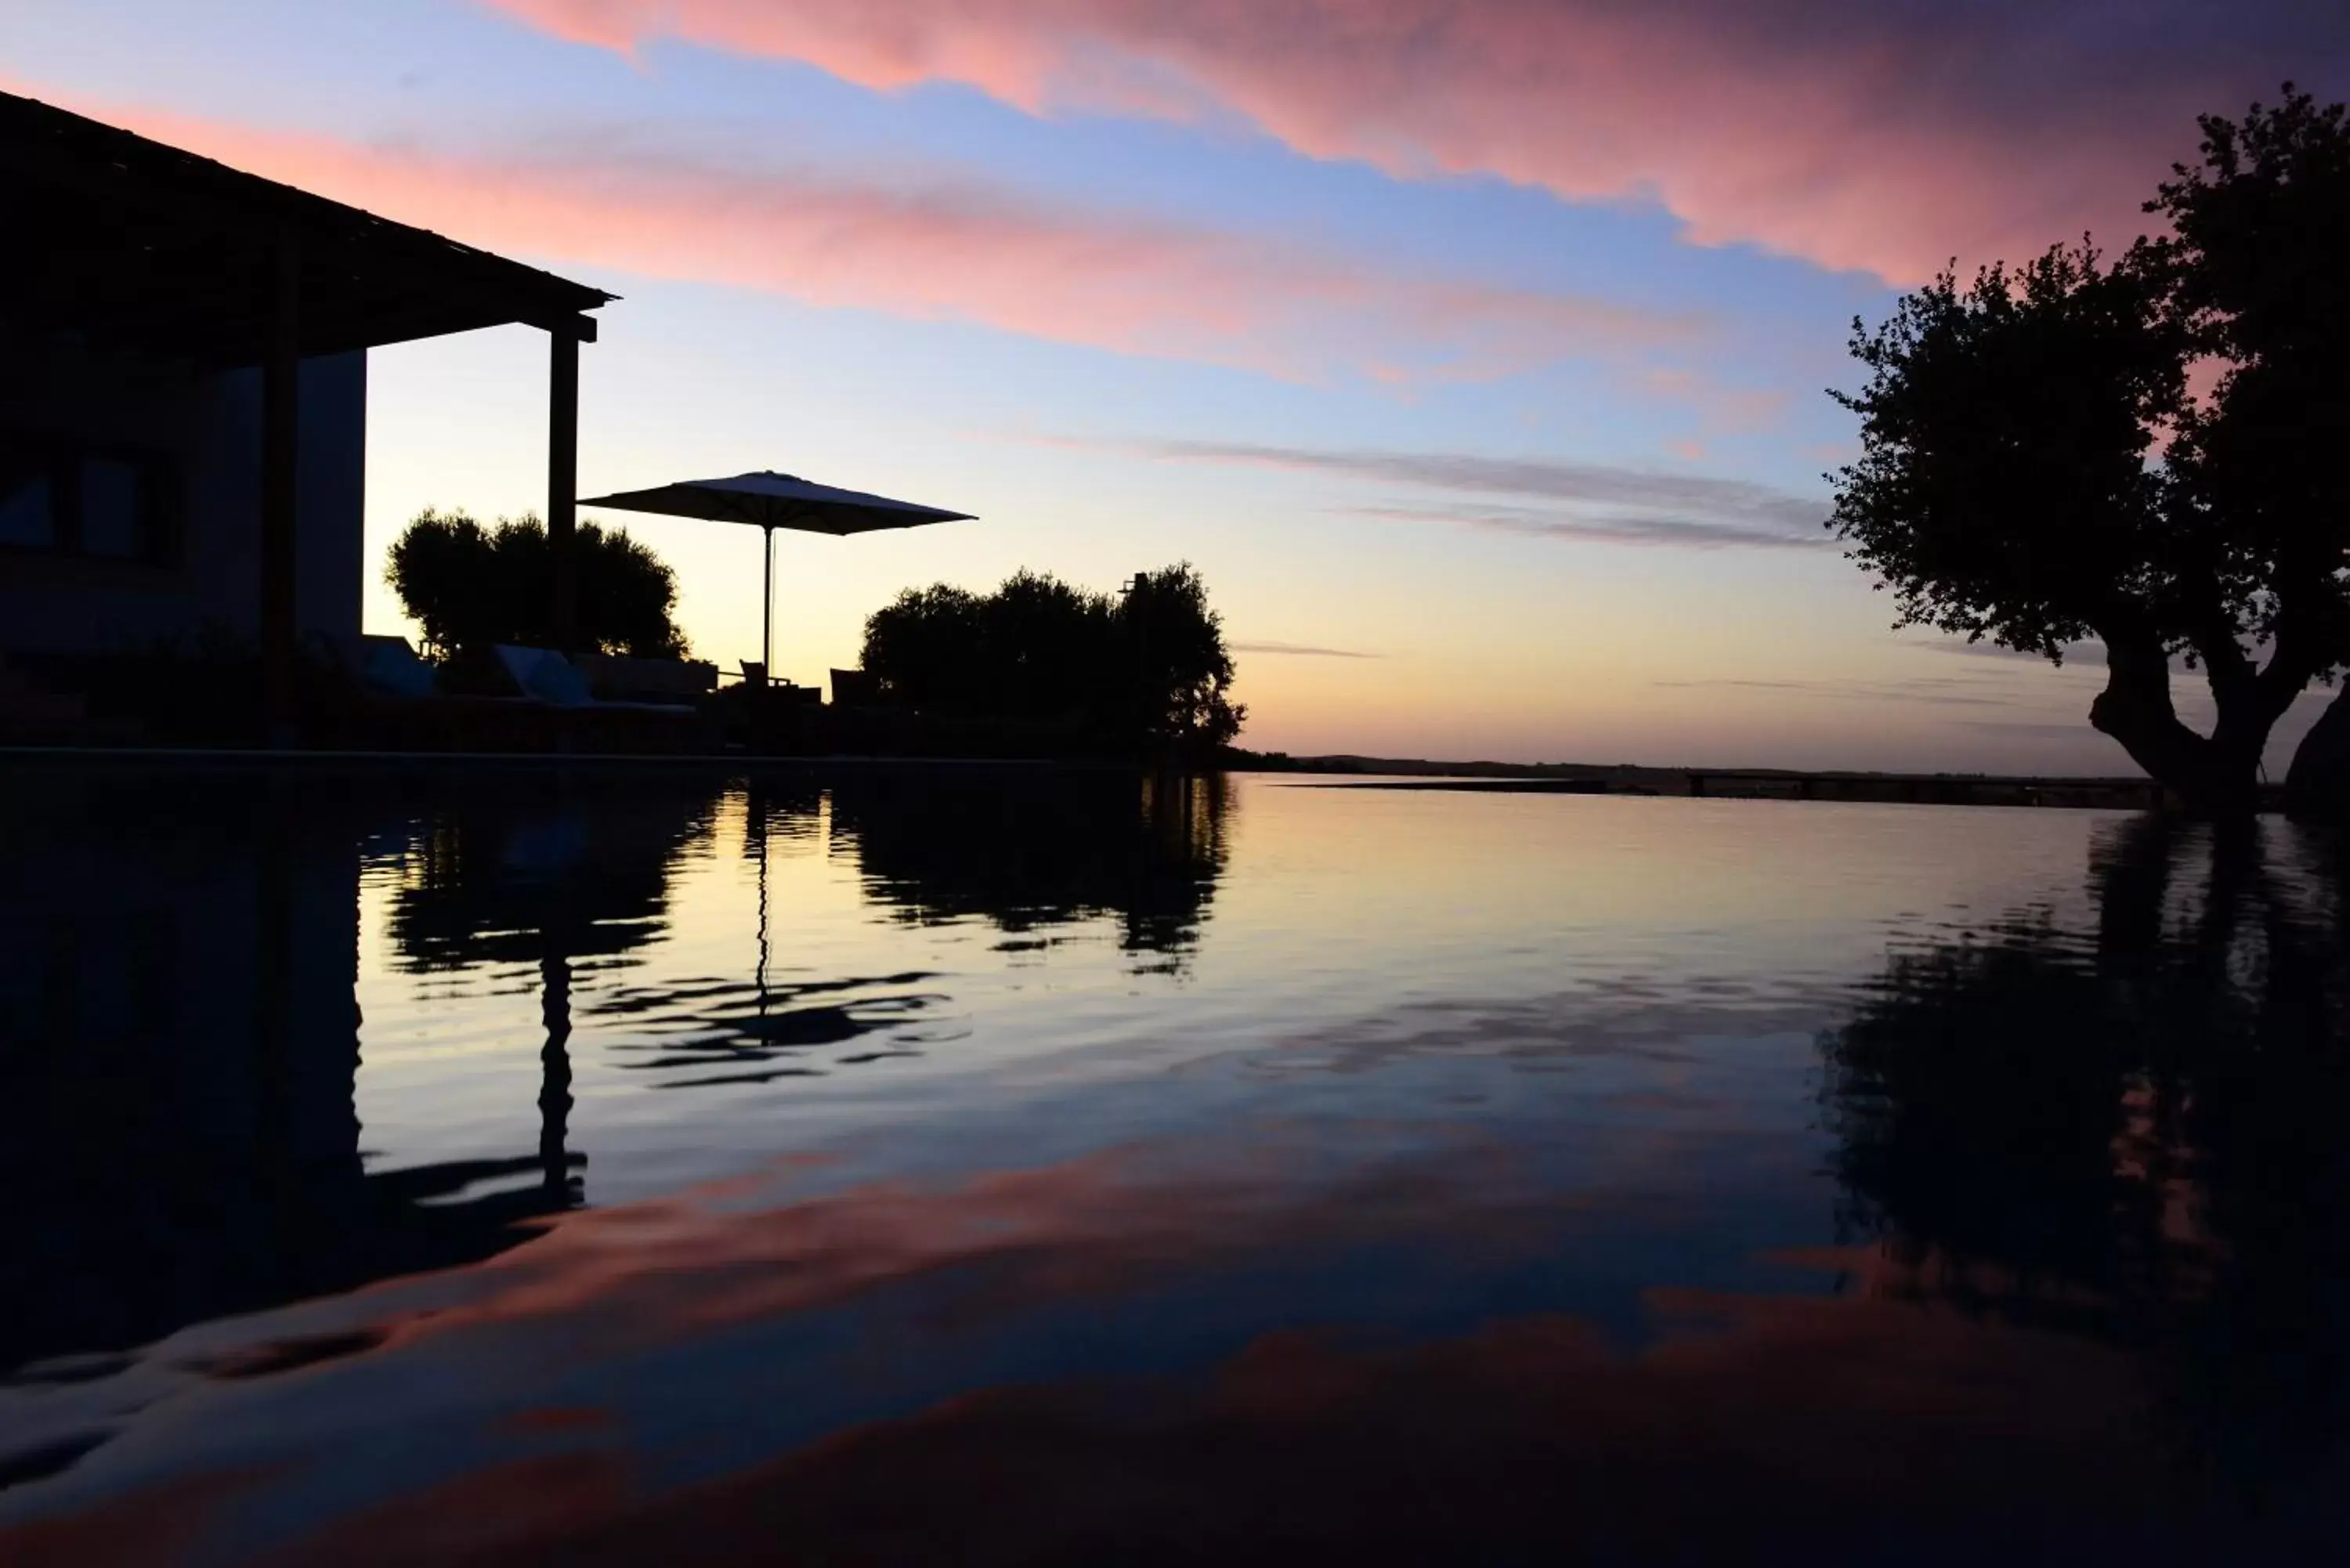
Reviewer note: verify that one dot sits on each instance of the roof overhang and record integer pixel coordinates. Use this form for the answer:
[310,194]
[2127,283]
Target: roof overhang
[129,244]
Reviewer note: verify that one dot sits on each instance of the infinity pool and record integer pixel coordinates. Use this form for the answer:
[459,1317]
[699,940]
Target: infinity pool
[1008,1165]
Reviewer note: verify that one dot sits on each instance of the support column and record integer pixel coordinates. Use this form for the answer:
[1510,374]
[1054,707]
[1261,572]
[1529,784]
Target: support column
[281,442]
[767,607]
[563,482]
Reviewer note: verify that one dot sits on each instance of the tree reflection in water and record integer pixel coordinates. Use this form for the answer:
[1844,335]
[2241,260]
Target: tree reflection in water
[509,878]
[2132,1130]
[546,871]
[179,960]
[1030,852]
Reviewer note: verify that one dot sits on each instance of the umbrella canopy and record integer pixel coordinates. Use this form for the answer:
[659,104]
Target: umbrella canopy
[771,500]
[768,501]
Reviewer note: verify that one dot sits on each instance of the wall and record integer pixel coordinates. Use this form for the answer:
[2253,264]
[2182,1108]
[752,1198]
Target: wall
[197,440]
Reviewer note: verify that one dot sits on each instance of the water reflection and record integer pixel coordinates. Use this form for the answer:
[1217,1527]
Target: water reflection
[1029,858]
[178,957]
[2132,1130]
[1475,1184]
[177,1134]
[511,867]
[548,873]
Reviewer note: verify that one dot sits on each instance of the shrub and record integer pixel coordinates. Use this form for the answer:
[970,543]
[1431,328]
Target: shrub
[1146,668]
[469,587]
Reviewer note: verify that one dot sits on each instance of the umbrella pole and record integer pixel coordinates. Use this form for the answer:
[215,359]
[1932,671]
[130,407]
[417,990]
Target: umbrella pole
[767,607]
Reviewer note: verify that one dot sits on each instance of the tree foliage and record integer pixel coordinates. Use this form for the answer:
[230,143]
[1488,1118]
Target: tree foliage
[1145,667]
[2035,469]
[2002,491]
[469,587]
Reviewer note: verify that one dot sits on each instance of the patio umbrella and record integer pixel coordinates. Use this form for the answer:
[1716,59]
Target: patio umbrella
[770,500]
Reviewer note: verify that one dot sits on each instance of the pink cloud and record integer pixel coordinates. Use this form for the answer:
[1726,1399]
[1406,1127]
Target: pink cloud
[1725,410]
[943,250]
[1887,138]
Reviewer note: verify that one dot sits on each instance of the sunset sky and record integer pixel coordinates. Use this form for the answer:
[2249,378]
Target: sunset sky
[1474,349]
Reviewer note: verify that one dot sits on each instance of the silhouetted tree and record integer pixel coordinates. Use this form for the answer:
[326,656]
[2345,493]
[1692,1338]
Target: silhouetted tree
[2034,471]
[470,586]
[1179,672]
[1147,669]
[925,647]
[2263,239]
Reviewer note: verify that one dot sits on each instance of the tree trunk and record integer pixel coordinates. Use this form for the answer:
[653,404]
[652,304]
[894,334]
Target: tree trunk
[2317,785]
[2211,778]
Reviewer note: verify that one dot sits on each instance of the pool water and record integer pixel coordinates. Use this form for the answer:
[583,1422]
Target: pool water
[1003,1165]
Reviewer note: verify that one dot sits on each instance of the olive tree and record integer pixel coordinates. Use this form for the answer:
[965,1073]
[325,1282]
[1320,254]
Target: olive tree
[469,587]
[2034,470]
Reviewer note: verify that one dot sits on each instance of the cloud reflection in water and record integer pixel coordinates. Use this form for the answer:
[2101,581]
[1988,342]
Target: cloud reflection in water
[2030,1207]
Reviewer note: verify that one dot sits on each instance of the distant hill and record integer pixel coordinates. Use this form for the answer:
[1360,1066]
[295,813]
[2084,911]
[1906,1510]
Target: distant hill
[1243,761]
[1791,784]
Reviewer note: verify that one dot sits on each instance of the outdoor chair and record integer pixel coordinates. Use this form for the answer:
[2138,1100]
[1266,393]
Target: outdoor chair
[784,694]
[616,678]
[544,674]
[855,689]
[382,665]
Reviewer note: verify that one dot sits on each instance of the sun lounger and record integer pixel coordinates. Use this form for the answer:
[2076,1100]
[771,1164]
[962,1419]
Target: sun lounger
[613,678]
[379,666]
[389,667]
[544,674]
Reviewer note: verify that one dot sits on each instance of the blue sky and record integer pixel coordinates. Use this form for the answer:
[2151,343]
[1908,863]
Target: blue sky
[1474,353]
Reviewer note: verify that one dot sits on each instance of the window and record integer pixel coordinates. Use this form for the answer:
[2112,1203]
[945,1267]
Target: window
[68,498]
[28,513]
[113,509]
